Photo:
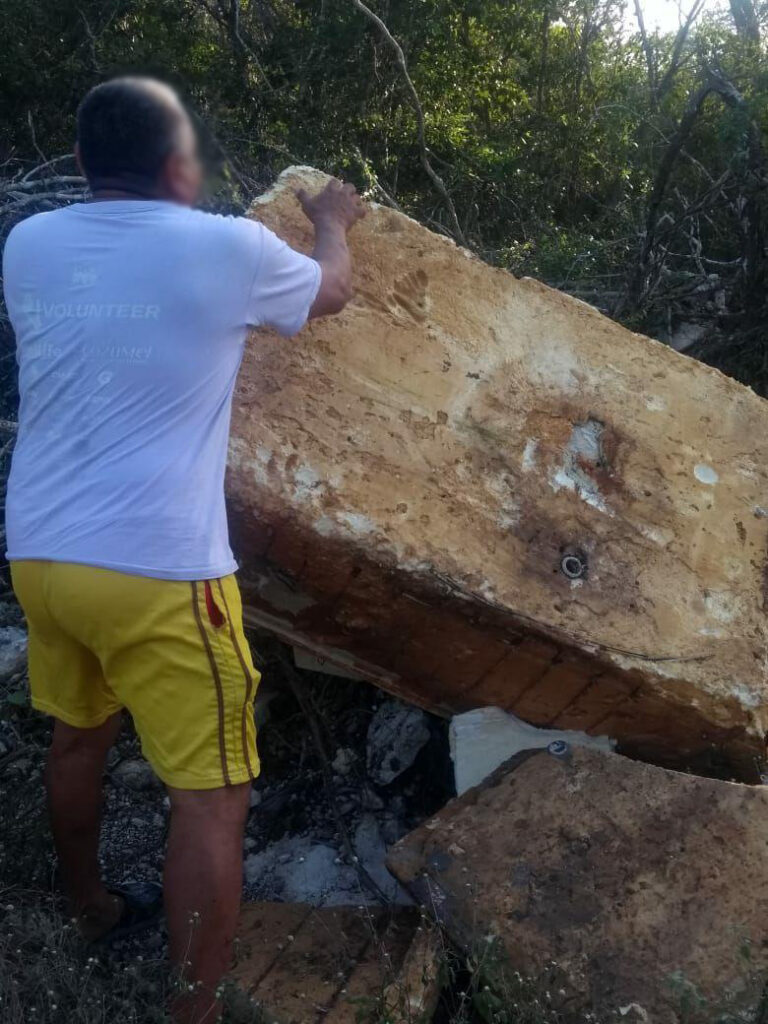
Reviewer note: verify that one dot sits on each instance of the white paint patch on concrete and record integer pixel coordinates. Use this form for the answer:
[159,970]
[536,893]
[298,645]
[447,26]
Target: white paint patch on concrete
[584,449]
[253,461]
[325,526]
[554,366]
[305,476]
[357,522]
[509,520]
[344,523]
[561,480]
[746,696]
[661,537]
[655,403]
[529,454]
[746,467]
[723,606]
[485,590]
[705,474]
[500,486]
[586,440]
[306,483]
[485,738]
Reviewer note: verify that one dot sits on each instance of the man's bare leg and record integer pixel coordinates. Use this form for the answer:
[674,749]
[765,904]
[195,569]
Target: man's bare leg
[203,881]
[74,783]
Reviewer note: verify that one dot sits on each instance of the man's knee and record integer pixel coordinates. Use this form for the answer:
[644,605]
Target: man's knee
[71,742]
[224,806]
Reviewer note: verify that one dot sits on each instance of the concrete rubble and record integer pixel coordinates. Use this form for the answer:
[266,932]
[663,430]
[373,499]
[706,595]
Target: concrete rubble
[644,891]
[13,651]
[301,869]
[395,736]
[476,491]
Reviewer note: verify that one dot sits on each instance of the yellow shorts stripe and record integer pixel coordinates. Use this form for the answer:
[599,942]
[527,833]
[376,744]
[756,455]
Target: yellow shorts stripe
[248,680]
[216,681]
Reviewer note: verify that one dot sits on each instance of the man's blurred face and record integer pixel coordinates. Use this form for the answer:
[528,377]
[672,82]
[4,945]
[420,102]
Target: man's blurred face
[182,173]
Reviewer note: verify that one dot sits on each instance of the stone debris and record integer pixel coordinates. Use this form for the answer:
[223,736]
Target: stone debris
[646,890]
[336,966]
[474,490]
[343,760]
[485,738]
[136,774]
[371,851]
[300,869]
[395,736]
[13,651]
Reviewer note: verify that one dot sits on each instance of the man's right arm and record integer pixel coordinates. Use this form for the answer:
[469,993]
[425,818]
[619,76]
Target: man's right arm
[333,211]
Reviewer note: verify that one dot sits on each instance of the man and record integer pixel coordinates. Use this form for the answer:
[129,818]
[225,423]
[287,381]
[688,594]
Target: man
[131,313]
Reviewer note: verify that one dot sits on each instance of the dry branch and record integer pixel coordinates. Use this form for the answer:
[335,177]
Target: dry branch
[432,174]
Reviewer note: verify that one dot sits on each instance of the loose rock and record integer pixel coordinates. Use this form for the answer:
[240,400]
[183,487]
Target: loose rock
[13,651]
[136,774]
[395,736]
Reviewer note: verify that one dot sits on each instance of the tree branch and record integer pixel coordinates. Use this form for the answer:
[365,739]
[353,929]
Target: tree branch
[432,174]
[677,49]
[647,50]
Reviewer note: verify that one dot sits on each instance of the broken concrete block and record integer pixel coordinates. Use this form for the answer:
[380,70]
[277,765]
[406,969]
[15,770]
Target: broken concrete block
[476,491]
[396,734]
[645,887]
[305,965]
[485,738]
[412,996]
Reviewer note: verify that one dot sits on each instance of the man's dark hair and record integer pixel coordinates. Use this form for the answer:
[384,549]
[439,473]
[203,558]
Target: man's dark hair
[125,130]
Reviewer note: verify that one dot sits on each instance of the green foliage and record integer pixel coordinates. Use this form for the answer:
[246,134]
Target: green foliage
[541,116]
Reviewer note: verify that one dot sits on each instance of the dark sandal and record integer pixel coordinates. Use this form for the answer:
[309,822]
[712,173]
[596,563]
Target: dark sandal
[143,905]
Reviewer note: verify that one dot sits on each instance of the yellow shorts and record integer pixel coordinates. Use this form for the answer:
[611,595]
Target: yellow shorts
[173,653]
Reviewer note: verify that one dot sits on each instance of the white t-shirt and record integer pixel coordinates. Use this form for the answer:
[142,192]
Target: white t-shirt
[130,320]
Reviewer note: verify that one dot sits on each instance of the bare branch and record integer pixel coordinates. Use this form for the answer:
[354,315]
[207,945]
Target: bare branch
[745,20]
[59,180]
[432,174]
[31,124]
[650,57]
[230,22]
[678,47]
[48,163]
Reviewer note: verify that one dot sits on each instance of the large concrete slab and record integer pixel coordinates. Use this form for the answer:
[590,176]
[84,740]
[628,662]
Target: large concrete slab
[476,490]
[644,886]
